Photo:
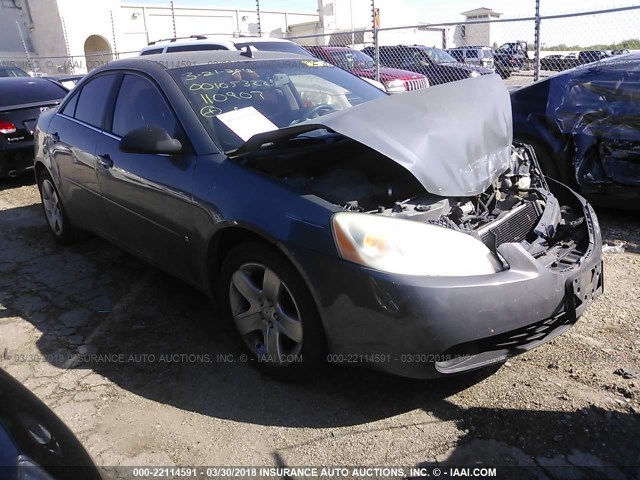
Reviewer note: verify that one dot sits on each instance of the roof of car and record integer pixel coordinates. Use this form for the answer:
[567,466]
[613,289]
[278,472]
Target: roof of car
[330,48]
[217,39]
[468,46]
[187,59]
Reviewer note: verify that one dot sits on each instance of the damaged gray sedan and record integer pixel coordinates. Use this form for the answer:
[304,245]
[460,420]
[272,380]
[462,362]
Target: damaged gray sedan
[330,222]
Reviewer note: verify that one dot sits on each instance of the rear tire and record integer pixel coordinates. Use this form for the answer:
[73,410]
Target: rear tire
[269,305]
[60,226]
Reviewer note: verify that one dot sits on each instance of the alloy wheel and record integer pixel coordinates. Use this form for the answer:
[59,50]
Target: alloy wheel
[266,314]
[52,207]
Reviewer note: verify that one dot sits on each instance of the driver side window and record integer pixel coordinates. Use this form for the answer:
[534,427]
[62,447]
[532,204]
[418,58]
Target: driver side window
[139,105]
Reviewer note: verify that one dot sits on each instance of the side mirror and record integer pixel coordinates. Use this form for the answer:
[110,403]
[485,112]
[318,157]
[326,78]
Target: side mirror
[150,139]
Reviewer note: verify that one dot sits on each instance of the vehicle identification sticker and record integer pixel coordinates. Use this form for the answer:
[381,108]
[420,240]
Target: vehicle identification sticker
[246,122]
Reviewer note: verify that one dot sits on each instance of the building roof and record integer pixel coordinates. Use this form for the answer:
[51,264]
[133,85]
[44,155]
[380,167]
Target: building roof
[481,11]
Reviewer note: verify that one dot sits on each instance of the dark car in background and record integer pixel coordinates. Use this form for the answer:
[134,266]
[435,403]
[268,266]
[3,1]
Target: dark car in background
[584,57]
[323,215]
[585,127]
[436,64]
[12,71]
[511,57]
[362,65]
[553,62]
[21,101]
[34,442]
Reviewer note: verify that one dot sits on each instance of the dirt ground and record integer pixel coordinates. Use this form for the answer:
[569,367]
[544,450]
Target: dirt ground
[130,359]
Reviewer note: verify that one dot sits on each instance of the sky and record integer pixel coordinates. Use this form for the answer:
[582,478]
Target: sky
[426,10]
[584,30]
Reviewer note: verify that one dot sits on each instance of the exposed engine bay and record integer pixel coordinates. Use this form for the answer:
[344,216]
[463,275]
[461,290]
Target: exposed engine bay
[518,207]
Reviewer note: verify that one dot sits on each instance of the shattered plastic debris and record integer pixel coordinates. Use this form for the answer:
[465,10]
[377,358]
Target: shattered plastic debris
[613,248]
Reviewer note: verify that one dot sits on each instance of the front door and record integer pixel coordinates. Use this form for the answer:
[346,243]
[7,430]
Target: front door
[147,197]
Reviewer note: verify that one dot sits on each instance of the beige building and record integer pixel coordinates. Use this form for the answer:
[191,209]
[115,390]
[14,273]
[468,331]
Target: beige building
[474,33]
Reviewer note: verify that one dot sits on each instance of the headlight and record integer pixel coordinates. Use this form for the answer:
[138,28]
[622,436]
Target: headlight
[410,248]
[474,74]
[395,86]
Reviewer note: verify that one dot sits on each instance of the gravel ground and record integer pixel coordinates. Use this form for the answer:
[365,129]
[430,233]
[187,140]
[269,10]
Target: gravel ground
[64,310]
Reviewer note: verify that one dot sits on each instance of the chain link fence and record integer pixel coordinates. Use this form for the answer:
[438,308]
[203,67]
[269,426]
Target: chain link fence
[519,50]
[405,58]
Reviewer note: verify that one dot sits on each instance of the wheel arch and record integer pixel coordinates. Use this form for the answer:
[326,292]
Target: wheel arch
[39,167]
[233,234]
[556,150]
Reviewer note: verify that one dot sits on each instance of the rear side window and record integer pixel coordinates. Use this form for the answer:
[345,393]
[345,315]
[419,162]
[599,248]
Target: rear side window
[195,48]
[20,92]
[93,99]
[70,108]
[140,104]
[152,51]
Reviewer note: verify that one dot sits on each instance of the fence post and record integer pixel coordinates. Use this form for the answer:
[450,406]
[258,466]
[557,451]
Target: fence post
[536,67]
[259,20]
[376,49]
[376,58]
[70,66]
[173,19]
[113,35]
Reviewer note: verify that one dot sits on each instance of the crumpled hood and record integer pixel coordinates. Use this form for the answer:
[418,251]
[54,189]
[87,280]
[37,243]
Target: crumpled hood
[454,138]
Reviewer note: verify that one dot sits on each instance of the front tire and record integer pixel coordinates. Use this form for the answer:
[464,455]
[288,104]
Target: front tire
[60,226]
[271,308]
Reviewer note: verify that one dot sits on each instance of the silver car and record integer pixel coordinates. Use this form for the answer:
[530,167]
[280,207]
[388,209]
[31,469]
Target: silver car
[473,55]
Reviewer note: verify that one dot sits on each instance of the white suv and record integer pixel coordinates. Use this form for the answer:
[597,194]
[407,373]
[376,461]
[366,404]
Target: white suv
[217,42]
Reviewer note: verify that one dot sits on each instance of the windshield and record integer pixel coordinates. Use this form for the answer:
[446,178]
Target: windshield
[234,101]
[288,47]
[351,59]
[439,56]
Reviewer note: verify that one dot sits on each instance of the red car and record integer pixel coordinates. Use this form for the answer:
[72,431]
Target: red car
[362,65]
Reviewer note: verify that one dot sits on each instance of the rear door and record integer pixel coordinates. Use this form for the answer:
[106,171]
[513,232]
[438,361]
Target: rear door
[147,197]
[73,136]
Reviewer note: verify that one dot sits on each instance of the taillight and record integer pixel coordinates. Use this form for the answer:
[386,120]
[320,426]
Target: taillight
[7,127]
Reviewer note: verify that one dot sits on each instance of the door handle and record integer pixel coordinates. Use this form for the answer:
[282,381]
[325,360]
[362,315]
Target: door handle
[55,137]
[105,161]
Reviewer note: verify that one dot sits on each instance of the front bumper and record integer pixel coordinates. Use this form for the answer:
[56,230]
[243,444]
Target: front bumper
[426,327]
